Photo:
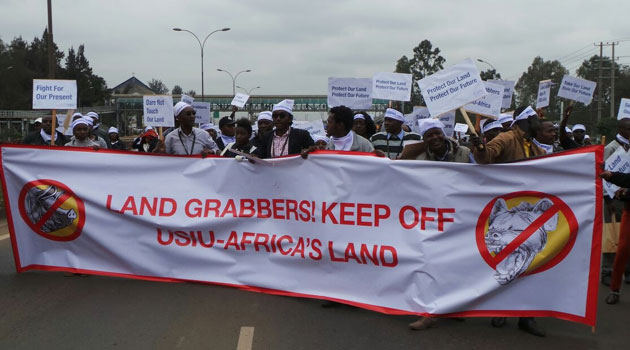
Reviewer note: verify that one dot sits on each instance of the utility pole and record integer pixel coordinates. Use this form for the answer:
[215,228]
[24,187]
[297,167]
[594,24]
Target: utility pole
[51,55]
[599,82]
[612,82]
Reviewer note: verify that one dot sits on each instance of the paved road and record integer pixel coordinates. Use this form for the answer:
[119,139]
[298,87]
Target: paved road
[45,310]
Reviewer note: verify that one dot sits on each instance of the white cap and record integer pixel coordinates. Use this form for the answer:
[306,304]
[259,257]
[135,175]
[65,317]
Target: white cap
[359,116]
[206,126]
[394,114]
[112,130]
[179,107]
[80,121]
[266,115]
[93,115]
[505,118]
[567,129]
[88,120]
[320,138]
[428,124]
[578,127]
[284,105]
[38,120]
[148,128]
[526,113]
[492,125]
[586,137]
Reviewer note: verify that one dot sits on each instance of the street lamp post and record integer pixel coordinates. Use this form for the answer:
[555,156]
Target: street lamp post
[234,78]
[201,46]
[488,63]
[249,92]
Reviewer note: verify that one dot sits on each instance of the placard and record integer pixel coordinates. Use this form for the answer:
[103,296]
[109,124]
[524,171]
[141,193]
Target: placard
[240,100]
[577,89]
[187,99]
[489,105]
[624,109]
[619,161]
[452,88]
[508,91]
[314,127]
[203,112]
[422,112]
[544,93]
[354,93]
[392,86]
[158,110]
[54,94]
[463,128]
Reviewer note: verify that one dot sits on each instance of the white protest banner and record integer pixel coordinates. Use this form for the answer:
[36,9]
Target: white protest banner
[459,127]
[158,110]
[354,93]
[577,89]
[624,109]
[240,100]
[187,99]
[489,105]
[544,93]
[422,112]
[54,94]
[315,127]
[202,110]
[508,91]
[392,86]
[619,161]
[443,243]
[452,88]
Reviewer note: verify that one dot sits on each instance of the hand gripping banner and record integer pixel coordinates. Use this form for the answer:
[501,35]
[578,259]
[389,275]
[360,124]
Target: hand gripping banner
[399,237]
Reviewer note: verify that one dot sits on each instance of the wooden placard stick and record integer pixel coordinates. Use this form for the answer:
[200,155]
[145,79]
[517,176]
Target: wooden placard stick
[603,140]
[53,132]
[471,127]
[477,123]
[160,134]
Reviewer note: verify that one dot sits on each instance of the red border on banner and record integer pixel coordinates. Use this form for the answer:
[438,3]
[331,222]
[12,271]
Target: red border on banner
[591,302]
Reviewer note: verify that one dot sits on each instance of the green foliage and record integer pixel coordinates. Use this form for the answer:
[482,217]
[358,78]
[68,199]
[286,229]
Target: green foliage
[177,90]
[21,62]
[158,86]
[526,90]
[426,60]
[490,74]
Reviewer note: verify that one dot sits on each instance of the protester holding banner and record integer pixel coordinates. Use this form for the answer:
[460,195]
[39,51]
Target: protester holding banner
[438,147]
[42,137]
[187,140]
[226,125]
[321,141]
[114,140]
[364,125]
[623,247]
[391,142]
[284,140]
[81,132]
[490,129]
[340,123]
[545,138]
[265,126]
[147,141]
[96,129]
[512,145]
[242,143]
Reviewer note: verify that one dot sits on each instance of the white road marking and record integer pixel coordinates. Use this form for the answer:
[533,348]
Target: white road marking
[245,338]
[3,237]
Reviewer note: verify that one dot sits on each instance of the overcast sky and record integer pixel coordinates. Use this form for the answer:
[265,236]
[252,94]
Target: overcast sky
[293,46]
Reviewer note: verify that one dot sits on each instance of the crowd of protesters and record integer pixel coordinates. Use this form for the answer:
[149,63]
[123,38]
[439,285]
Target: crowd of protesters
[524,133]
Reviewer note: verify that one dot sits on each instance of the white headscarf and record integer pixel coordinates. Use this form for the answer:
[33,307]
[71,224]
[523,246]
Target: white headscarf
[79,122]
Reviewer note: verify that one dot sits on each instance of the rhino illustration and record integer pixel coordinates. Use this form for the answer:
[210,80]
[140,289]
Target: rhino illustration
[39,201]
[505,225]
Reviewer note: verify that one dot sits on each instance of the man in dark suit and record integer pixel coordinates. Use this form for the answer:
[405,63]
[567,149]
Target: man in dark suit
[41,137]
[284,140]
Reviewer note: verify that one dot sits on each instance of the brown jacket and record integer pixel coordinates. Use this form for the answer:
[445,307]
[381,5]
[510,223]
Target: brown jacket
[508,146]
[456,153]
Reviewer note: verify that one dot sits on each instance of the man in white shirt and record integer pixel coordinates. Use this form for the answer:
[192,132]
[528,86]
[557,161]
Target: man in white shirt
[187,140]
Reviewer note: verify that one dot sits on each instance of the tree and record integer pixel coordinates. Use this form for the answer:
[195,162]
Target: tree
[426,60]
[526,90]
[177,90]
[158,86]
[191,93]
[91,88]
[490,74]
